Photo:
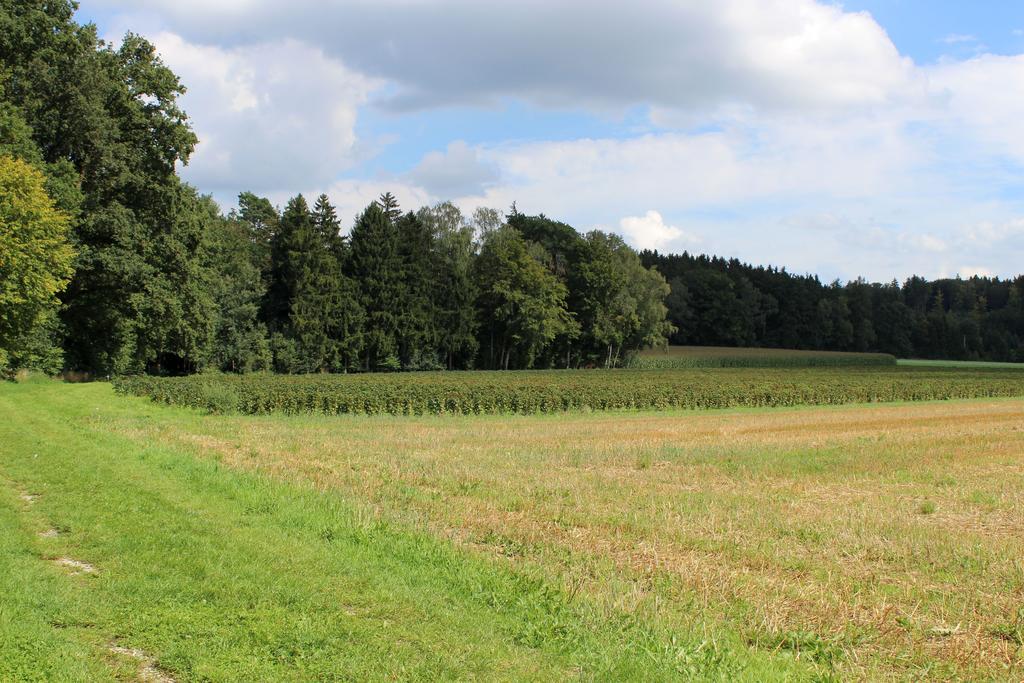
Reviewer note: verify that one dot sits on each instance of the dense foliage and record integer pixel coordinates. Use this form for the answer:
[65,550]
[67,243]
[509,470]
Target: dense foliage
[716,301]
[35,259]
[725,357]
[558,391]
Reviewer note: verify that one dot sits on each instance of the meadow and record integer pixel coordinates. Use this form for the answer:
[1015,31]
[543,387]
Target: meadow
[860,541]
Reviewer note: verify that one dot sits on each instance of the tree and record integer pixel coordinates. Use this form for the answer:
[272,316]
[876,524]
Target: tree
[648,290]
[280,274]
[606,313]
[418,329]
[312,302]
[456,322]
[261,219]
[35,255]
[521,304]
[344,315]
[111,116]
[313,289]
[240,340]
[375,264]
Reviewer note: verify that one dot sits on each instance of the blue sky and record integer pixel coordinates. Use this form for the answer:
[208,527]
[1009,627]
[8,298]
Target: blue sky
[876,139]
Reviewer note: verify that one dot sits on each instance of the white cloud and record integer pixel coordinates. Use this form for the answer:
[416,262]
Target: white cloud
[271,116]
[691,54]
[456,172]
[954,38]
[987,233]
[984,99]
[650,232]
[971,271]
[927,242]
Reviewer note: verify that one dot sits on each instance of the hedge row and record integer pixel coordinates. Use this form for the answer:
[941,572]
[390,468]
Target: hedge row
[559,391]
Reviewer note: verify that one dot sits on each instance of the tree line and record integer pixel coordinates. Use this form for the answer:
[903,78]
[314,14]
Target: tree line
[111,264]
[425,289]
[716,301]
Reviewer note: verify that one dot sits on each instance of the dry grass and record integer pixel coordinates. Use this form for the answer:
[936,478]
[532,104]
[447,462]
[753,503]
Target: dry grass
[886,541]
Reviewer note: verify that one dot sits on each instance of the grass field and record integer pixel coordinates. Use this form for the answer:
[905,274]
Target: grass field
[675,357]
[882,541]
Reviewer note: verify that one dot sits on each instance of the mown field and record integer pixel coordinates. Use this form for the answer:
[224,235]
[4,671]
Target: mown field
[555,391]
[679,357]
[859,542]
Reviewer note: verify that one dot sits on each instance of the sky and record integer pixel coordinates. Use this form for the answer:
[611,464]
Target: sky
[872,138]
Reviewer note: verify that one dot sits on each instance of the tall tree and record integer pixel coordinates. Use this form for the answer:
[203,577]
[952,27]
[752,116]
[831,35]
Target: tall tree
[241,342]
[418,324]
[455,288]
[261,219]
[521,303]
[376,265]
[112,115]
[343,314]
[35,257]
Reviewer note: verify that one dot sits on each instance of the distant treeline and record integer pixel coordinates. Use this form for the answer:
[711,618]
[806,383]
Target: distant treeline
[715,301]
[110,264]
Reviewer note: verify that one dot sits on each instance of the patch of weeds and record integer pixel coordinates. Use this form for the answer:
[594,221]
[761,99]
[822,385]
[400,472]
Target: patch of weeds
[507,546]
[926,507]
[983,499]
[1013,630]
[803,644]
[644,461]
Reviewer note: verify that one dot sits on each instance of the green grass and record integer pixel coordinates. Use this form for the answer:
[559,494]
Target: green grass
[219,574]
[682,357]
[963,364]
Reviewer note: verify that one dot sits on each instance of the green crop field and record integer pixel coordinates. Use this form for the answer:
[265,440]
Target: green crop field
[559,391]
[960,364]
[678,357]
[140,540]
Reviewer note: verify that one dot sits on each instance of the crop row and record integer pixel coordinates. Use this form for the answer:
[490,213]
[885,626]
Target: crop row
[685,357]
[559,391]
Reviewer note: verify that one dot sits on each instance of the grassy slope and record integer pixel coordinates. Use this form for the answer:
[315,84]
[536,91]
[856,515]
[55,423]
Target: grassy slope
[225,575]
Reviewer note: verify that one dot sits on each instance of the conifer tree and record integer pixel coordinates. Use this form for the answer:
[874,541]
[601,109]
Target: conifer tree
[418,333]
[455,311]
[313,287]
[376,265]
[344,314]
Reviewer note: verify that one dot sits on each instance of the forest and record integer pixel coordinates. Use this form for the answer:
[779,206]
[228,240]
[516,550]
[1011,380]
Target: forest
[111,264]
[717,301]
